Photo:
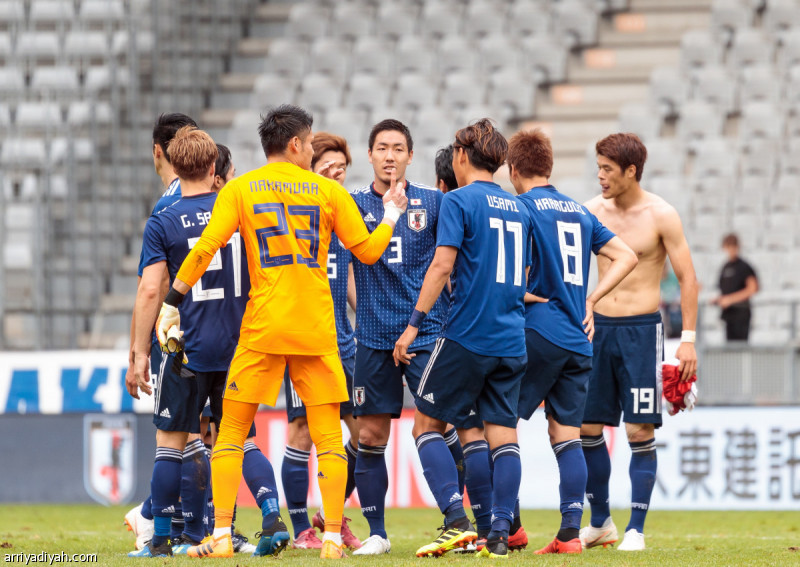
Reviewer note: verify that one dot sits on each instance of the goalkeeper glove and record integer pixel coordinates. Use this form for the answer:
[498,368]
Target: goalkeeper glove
[168,317]
[679,395]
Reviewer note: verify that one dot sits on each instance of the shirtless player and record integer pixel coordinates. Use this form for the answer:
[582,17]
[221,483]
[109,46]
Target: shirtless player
[629,339]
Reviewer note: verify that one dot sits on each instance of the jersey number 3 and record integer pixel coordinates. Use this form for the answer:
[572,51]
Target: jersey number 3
[282,228]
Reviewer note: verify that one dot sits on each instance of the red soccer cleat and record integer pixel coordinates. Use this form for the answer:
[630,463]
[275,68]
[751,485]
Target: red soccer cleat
[558,546]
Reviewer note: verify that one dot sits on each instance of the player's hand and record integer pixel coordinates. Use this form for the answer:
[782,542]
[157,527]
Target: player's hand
[167,318]
[395,196]
[588,325]
[130,379]
[141,369]
[329,170]
[401,353]
[530,298]
[687,358]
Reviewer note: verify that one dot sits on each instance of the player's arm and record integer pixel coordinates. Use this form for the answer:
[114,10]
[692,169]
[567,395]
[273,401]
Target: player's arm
[145,311]
[223,223]
[351,286]
[671,230]
[436,278]
[352,231]
[623,261]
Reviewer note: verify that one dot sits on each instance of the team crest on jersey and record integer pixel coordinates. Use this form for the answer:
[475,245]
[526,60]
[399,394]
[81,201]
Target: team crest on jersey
[359,395]
[109,445]
[417,219]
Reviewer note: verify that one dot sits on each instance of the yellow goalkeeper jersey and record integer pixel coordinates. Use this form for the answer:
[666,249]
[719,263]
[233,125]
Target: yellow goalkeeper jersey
[286,215]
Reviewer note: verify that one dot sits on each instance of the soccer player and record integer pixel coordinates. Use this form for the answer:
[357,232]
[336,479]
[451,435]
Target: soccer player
[286,215]
[445,178]
[387,291]
[484,236]
[331,158]
[169,235]
[558,316]
[140,519]
[628,341]
[224,170]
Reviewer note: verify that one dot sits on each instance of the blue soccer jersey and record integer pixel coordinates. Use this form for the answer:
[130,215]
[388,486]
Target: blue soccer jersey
[564,236]
[339,259]
[388,290]
[211,313]
[169,197]
[491,230]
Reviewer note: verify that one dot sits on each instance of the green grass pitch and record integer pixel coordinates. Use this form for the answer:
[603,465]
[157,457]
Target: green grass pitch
[673,538]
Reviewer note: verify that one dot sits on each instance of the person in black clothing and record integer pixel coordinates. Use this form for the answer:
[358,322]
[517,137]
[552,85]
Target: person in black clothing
[737,284]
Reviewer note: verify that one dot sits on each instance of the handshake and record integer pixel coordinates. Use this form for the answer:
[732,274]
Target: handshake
[679,395]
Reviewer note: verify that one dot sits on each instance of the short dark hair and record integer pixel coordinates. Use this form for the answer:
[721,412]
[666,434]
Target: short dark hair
[193,152]
[730,240]
[166,126]
[531,154]
[624,149]
[390,124]
[280,125]
[327,142]
[224,161]
[444,167]
[485,146]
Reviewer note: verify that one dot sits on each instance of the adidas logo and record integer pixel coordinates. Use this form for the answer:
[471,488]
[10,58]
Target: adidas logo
[428,397]
[471,412]
[262,491]
[165,413]
[232,386]
[320,475]
[576,505]
[169,510]
[455,497]
[369,218]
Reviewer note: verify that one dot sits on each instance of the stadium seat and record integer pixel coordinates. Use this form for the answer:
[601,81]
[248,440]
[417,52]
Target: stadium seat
[307,21]
[370,55]
[668,90]
[790,99]
[498,53]
[759,84]
[749,48]
[665,158]
[23,153]
[414,91]
[576,22]
[784,195]
[367,91]
[6,47]
[788,56]
[51,12]
[63,149]
[749,193]
[121,42]
[727,18]
[641,119]
[461,89]
[529,19]
[514,92]
[351,21]
[286,58]
[780,17]
[414,54]
[712,195]
[434,127]
[12,82]
[60,81]
[12,13]
[319,92]
[102,11]
[545,57]
[5,115]
[760,120]
[102,78]
[699,49]
[394,20]
[472,112]
[707,231]
[330,56]
[456,53]
[83,113]
[673,190]
[781,233]
[86,45]
[714,156]
[346,123]
[482,18]
[440,19]
[32,46]
[716,86]
[697,120]
[272,88]
[38,115]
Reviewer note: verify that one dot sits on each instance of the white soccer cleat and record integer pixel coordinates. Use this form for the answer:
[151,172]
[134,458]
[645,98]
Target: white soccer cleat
[374,545]
[633,541]
[605,535]
[141,527]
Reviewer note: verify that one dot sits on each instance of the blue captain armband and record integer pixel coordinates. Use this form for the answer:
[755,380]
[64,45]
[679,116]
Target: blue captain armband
[417,318]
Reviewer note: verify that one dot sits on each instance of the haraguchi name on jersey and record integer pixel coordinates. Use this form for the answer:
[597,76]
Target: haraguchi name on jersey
[499,203]
[556,205]
[284,187]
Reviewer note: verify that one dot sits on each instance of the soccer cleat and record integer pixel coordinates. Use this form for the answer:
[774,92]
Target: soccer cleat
[307,539]
[331,550]
[471,547]
[518,540]
[241,544]
[374,545]
[272,540]
[558,546]
[605,535]
[448,540]
[348,537]
[495,548]
[141,527]
[632,541]
[163,550]
[318,521]
[181,544]
[212,547]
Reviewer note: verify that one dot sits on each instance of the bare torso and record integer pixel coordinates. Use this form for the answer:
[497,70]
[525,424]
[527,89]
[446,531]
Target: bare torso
[638,226]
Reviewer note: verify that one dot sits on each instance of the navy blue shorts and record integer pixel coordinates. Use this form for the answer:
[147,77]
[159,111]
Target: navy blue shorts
[626,370]
[294,405]
[378,383]
[557,376]
[457,381]
[176,407]
[211,387]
